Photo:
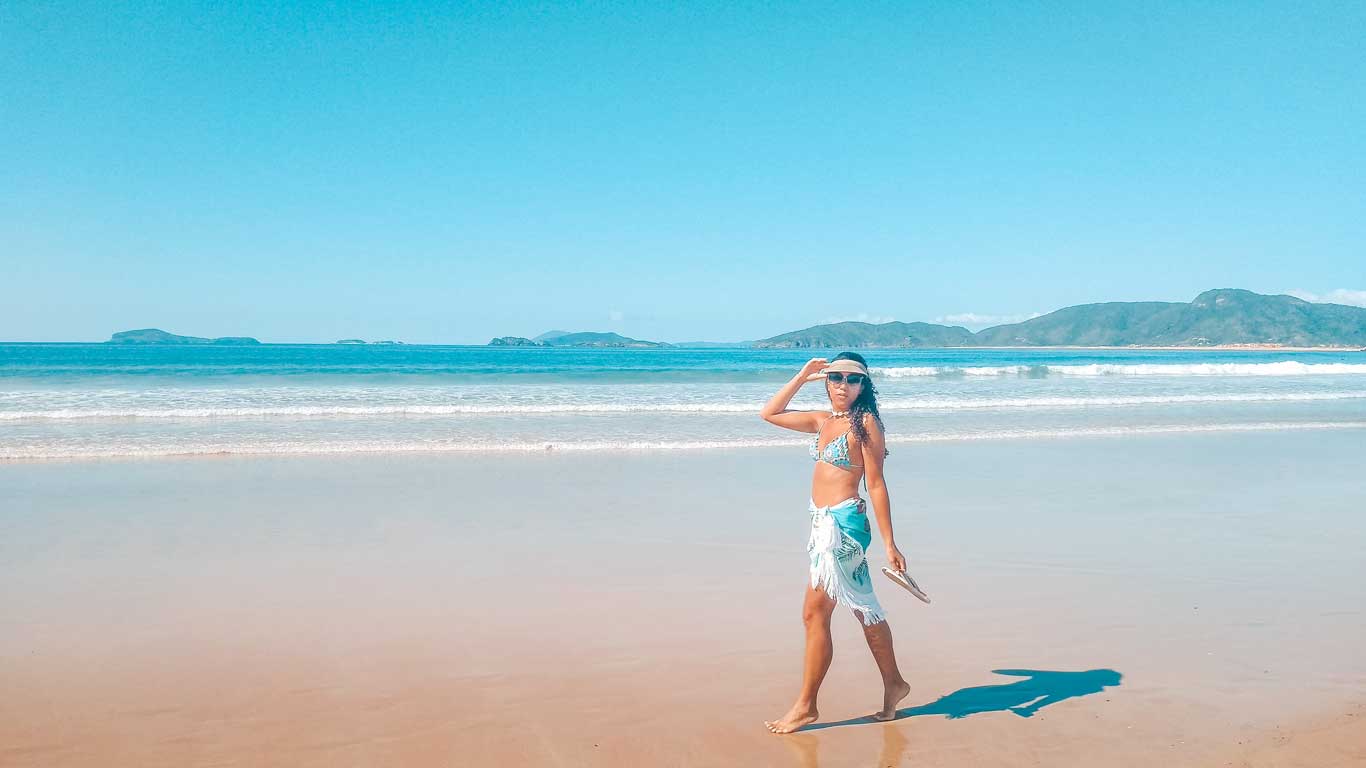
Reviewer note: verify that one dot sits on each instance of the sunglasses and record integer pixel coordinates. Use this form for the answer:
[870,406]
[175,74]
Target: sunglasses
[854,379]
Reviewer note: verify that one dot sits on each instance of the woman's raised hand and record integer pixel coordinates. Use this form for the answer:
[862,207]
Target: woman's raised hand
[812,370]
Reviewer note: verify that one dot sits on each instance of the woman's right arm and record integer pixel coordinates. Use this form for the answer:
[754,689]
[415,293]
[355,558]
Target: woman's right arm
[775,411]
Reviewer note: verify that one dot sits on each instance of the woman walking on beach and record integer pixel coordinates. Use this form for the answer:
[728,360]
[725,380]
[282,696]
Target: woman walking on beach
[849,445]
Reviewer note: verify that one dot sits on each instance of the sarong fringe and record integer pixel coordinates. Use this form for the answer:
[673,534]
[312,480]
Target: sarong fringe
[827,539]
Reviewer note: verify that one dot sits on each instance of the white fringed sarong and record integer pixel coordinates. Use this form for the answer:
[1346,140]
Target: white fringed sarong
[840,536]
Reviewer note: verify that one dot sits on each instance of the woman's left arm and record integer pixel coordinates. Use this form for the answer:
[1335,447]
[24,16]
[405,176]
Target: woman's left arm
[874,452]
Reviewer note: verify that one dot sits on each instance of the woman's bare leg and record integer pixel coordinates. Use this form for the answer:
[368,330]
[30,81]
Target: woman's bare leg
[816,611]
[894,686]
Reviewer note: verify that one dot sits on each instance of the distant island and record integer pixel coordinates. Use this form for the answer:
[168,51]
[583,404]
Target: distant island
[158,336]
[582,339]
[712,344]
[1219,318]
[854,334]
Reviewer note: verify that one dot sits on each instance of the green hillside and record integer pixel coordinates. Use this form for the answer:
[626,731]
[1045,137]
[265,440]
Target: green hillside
[1222,316]
[857,335]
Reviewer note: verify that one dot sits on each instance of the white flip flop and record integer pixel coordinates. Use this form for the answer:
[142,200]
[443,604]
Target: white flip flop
[904,580]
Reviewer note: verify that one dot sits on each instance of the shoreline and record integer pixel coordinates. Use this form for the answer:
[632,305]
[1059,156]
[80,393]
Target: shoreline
[1147,348]
[550,449]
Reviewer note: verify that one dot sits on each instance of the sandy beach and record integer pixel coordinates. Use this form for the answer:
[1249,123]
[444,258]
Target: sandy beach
[1193,600]
[1331,739]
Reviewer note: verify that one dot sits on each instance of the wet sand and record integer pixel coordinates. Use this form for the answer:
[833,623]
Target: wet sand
[1337,739]
[629,609]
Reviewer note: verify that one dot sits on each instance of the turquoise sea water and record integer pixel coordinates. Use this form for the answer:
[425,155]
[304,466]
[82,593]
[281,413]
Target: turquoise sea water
[95,400]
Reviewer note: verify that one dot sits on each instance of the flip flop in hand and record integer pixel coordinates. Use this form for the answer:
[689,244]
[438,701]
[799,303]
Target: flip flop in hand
[903,580]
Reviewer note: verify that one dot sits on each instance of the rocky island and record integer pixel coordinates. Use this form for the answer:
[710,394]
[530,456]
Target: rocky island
[582,339]
[158,336]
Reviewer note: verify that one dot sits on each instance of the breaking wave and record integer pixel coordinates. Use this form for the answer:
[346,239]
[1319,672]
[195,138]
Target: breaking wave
[414,410]
[464,446]
[1283,368]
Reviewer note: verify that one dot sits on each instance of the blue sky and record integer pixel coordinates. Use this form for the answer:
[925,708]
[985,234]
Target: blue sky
[314,171]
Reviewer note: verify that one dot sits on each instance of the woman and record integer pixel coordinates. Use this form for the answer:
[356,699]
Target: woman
[849,445]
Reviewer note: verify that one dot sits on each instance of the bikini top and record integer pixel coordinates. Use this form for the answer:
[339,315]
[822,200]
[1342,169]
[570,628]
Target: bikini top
[835,452]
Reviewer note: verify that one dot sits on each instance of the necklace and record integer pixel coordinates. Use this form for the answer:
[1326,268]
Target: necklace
[838,414]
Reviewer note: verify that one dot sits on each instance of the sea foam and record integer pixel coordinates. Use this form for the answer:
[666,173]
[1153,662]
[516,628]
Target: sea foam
[111,450]
[414,410]
[1281,368]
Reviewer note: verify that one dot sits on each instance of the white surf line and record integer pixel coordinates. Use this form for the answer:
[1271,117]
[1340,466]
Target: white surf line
[1282,368]
[550,447]
[890,404]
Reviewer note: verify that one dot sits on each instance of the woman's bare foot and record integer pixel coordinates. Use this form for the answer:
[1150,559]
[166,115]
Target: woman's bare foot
[795,718]
[890,698]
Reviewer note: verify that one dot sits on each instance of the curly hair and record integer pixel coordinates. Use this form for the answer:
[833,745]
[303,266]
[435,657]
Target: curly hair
[866,402]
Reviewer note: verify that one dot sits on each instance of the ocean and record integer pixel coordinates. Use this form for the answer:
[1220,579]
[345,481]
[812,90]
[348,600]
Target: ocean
[72,401]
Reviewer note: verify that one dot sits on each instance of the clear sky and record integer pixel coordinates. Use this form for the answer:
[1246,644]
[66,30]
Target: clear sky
[727,171]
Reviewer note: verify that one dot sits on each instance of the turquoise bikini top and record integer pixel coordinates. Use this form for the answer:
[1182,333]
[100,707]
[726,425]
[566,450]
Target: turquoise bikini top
[835,452]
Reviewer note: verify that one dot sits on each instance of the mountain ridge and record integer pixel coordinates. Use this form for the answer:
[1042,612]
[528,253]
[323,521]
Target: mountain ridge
[1217,317]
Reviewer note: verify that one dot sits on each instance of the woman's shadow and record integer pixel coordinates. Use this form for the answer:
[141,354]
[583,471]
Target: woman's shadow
[1037,690]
